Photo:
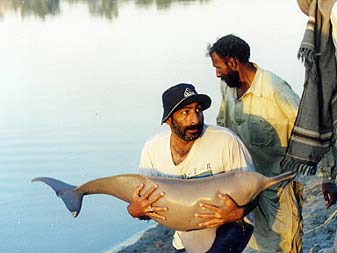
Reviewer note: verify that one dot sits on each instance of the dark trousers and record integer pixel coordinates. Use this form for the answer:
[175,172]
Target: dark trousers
[231,238]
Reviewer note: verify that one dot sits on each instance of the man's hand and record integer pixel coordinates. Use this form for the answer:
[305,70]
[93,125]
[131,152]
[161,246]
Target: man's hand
[229,212]
[329,191]
[141,206]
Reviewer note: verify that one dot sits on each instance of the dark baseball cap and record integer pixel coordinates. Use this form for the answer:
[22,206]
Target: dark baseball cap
[180,95]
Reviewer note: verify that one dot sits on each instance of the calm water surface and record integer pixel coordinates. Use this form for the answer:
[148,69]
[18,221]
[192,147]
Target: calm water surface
[80,93]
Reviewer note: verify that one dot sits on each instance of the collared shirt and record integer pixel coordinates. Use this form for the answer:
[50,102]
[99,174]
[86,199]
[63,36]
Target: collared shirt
[263,117]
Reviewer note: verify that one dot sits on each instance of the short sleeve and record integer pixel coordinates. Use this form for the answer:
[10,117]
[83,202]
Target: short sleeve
[238,156]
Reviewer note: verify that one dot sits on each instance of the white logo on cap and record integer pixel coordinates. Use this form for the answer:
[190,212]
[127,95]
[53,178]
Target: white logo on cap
[188,92]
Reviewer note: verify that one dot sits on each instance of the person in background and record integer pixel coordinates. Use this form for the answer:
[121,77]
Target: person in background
[261,108]
[192,149]
[318,51]
[327,58]
[334,37]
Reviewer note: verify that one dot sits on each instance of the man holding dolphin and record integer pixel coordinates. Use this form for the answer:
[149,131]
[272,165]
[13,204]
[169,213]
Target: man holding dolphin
[191,149]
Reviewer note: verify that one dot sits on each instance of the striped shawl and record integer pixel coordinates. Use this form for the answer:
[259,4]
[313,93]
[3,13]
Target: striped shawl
[316,121]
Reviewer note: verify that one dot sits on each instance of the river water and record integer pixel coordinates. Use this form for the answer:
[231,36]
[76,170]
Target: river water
[81,84]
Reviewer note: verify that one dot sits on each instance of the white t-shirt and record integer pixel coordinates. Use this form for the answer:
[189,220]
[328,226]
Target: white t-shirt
[217,150]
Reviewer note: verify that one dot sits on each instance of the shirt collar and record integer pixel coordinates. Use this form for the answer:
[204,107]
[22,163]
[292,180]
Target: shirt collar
[255,88]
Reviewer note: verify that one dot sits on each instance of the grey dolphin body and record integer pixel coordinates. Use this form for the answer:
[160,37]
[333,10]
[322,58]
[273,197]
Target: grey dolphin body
[182,197]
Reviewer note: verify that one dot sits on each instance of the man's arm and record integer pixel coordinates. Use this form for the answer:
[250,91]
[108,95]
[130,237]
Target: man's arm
[229,212]
[237,156]
[142,207]
[329,190]
[328,169]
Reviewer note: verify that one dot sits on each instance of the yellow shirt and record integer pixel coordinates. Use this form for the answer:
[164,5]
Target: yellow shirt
[263,117]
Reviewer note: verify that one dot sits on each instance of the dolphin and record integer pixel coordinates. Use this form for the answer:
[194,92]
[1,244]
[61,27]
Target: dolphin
[182,197]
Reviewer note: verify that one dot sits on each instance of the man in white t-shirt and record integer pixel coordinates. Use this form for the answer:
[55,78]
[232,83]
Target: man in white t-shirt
[191,149]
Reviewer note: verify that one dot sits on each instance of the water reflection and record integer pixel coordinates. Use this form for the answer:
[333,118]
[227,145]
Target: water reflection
[104,8]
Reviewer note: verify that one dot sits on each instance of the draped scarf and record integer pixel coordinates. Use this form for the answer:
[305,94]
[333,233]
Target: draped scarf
[316,121]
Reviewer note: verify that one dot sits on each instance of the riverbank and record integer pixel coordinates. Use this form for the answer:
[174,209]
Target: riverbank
[319,226]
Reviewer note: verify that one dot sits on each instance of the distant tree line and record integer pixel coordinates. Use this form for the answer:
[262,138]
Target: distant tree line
[104,8]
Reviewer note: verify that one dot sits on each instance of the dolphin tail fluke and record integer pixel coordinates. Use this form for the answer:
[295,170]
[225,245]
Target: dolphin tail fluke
[71,197]
[287,176]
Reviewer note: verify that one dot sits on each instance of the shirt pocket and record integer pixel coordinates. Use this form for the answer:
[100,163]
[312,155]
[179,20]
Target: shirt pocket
[261,133]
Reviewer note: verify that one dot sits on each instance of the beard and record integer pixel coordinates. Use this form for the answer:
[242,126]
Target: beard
[183,133]
[232,79]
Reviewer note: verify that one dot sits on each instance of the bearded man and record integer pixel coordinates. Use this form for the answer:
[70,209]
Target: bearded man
[192,149]
[261,108]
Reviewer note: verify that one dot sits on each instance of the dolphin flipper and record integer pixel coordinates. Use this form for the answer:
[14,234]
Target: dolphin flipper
[71,198]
